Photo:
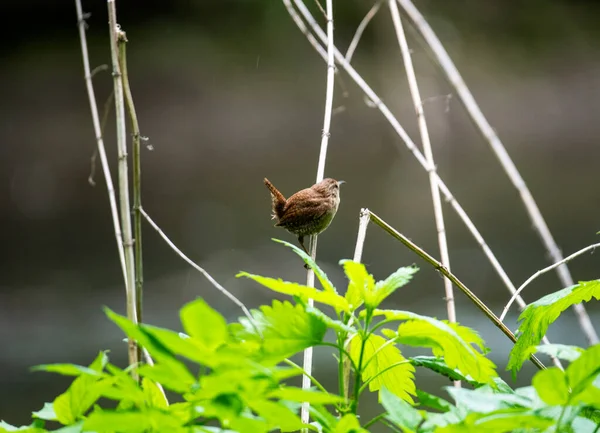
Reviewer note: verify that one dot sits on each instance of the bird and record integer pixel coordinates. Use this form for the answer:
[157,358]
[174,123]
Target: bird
[307,212]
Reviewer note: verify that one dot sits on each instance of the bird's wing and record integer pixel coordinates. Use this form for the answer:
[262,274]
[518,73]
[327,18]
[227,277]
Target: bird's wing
[298,213]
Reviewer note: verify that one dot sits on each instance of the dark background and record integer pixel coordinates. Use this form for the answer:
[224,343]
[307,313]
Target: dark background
[229,92]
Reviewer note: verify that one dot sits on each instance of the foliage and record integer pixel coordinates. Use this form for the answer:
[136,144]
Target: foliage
[234,377]
[537,317]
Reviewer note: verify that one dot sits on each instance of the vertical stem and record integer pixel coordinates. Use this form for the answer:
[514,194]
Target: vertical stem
[115,35]
[137,182]
[499,150]
[310,278]
[435,191]
[99,140]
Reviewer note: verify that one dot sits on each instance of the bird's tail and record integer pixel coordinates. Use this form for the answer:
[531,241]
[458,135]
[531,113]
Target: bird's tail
[278,200]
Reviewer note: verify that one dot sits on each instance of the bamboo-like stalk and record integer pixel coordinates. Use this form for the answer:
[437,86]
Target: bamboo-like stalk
[385,111]
[450,276]
[116,34]
[505,160]
[99,140]
[137,182]
[310,278]
[427,150]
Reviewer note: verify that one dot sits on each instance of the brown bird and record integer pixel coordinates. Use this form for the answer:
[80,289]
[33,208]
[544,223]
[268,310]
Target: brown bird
[309,211]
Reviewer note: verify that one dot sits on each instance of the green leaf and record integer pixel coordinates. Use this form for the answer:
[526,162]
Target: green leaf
[286,329]
[322,276]
[67,369]
[384,366]
[336,325]
[348,424]
[300,395]
[46,413]
[399,278]
[485,400]
[276,415]
[503,421]
[360,283]
[303,292]
[445,341]
[154,397]
[560,351]
[175,377]
[400,412]
[204,323]
[433,401]
[438,365]
[537,317]
[131,422]
[4,427]
[173,343]
[551,385]
[581,372]
[71,405]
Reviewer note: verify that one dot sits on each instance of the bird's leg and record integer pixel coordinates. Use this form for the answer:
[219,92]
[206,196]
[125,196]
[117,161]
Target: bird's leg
[301,241]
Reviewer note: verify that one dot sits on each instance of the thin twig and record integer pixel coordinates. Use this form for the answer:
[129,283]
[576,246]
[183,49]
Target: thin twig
[115,35]
[310,278]
[427,150]
[499,150]
[435,191]
[99,141]
[137,182]
[385,111]
[446,273]
[214,282]
[361,28]
[543,271]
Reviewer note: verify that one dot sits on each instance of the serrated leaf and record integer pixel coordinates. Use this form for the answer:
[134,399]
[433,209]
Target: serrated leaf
[537,317]
[400,412]
[385,288]
[321,276]
[445,341]
[294,289]
[46,413]
[384,365]
[560,351]
[361,284]
[286,329]
[204,323]
[301,395]
[551,385]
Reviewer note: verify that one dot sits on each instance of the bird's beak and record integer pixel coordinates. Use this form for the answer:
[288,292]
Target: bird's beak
[341,182]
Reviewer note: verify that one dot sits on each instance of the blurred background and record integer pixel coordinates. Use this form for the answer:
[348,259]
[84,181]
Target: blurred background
[230,91]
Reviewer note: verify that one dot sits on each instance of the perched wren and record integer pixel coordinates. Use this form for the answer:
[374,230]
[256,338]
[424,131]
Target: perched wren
[309,211]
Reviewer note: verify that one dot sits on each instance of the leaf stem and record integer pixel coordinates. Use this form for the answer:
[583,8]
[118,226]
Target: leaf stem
[310,376]
[374,420]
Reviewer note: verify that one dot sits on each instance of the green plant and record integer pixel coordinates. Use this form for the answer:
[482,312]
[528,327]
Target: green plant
[238,377]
